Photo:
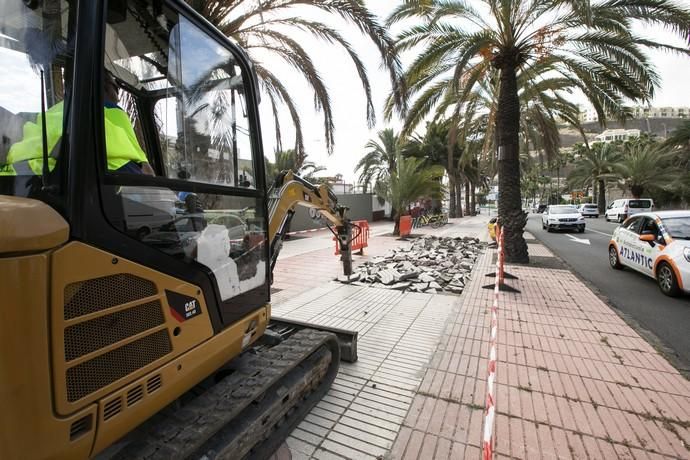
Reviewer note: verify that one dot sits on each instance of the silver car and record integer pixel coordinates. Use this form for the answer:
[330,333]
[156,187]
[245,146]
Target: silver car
[588,210]
[562,217]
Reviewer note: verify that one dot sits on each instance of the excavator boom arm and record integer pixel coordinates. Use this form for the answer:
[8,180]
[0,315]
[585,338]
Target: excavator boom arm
[290,191]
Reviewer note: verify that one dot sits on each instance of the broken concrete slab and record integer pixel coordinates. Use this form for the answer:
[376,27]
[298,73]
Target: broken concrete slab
[401,286]
[428,264]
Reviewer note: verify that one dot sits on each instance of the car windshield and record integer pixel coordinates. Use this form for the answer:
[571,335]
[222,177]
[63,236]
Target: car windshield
[591,206]
[678,227]
[640,204]
[563,210]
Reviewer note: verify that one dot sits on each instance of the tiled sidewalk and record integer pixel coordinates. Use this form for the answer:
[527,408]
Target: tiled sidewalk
[445,419]
[574,380]
[364,410]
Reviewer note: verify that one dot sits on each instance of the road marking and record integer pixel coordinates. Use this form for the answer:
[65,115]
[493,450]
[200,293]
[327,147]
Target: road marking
[579,240]
[601,233]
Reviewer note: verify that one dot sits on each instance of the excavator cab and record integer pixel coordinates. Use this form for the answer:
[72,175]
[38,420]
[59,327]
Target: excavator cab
[134,228]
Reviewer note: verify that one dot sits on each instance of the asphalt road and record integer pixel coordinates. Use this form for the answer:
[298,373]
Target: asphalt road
[631,292]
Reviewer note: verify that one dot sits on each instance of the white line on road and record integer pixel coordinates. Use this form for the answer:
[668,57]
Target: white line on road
[579,240]
[597,231]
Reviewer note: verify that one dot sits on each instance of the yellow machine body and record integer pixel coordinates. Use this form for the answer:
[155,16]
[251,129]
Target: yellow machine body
[90,346]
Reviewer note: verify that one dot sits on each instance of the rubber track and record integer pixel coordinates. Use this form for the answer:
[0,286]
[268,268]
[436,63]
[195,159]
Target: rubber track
[181,432]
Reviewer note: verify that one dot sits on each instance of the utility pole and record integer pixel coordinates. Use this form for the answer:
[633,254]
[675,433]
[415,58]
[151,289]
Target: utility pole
[558,179]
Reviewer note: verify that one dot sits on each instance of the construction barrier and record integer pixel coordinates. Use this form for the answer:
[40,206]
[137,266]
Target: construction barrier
[490,409]
[405,225]
[360,237]
[498,286]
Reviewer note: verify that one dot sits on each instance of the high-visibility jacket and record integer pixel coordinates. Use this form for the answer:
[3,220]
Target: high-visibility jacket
[26,156]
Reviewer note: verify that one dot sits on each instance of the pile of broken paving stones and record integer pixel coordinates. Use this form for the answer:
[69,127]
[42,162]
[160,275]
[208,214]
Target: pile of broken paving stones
[430,264]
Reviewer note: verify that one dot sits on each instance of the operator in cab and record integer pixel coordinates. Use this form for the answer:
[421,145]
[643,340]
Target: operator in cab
[125,155]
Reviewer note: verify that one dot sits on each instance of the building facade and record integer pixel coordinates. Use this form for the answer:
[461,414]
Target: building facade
[589,115]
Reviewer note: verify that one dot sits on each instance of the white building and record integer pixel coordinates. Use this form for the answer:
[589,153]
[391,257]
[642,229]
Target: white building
[588,114]
[661,112]
[611,135]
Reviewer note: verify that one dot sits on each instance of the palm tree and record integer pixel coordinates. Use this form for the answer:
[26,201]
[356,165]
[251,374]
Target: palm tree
[594,166]
[588,43]
[410,181]
[266,27]
[678,144]
[645,166]
[379,162]
[288,160]
[433,147]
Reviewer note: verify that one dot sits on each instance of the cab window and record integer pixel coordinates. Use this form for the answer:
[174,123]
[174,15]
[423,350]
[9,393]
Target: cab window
[35,55]
[650,227]
[180,161]
[633,224]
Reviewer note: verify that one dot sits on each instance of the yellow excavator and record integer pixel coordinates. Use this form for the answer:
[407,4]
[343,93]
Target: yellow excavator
[137,240]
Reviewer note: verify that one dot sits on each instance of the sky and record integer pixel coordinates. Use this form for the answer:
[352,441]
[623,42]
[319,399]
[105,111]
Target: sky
[348,99]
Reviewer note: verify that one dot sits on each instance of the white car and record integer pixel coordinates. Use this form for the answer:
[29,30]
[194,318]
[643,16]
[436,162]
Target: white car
[562,217]
[621,209]
[656,244]
[588,210]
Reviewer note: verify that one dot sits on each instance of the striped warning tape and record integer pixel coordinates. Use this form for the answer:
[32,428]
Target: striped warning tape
[490,411]
[307,231]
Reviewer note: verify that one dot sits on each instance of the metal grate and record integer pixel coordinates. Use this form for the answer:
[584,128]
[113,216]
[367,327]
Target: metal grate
[98,294]
[89,376]
[78,428]
[89,336]
[134,395]
[112,408]
[153,384]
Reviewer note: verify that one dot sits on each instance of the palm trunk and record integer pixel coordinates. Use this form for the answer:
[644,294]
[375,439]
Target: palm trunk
[468,211]
[451,192]
[510,214]
[458,199]
[396,229]
[601,201]
[636,190]
[473,201]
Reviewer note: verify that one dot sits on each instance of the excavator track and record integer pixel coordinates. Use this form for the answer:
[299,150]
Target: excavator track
[249,413]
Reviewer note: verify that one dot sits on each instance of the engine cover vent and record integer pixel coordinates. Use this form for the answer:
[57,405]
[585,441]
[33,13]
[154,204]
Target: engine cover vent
[134,395]
[92,375]
[97,294]
[153,384]
[78,428]
[112,408]
[89,336]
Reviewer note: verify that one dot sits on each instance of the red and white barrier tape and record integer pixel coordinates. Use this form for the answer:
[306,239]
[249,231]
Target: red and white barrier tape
[490,411]
[307,231]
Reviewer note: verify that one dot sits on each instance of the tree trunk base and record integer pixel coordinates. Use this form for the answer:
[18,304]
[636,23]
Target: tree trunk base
[513,225]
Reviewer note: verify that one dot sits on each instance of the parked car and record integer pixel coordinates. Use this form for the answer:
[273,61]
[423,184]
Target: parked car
[588,210]
[621,209]
[562,217]
[656,244]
